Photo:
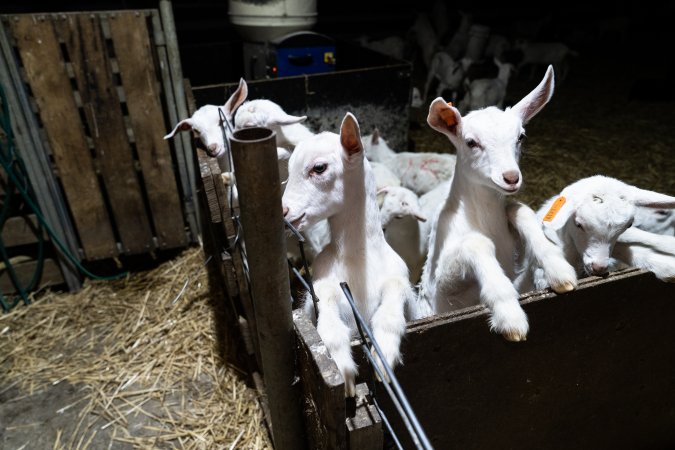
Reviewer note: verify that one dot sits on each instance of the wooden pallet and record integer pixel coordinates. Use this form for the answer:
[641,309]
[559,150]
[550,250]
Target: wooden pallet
[98,86]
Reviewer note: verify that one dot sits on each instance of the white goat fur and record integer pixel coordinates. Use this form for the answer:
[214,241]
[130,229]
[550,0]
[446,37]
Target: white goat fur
[655,220]
[265,113]
[329,178]
[419,172]
[472,251]
[400,214]
[488,91]
[594,227]
[448,72]
[205,123]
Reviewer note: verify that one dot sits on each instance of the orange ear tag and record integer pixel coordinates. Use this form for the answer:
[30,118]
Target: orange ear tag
[554,209]
[448,116]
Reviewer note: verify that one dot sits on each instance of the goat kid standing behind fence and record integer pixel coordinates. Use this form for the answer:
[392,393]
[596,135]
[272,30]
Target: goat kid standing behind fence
[472,250]
[329,178]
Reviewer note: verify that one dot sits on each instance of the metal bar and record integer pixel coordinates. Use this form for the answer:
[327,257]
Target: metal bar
[387,425]
[309,284]
[176,72]
[259,189]
[395,386]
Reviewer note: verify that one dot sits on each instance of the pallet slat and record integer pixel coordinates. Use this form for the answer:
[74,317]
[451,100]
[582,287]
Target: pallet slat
[129,32]
[20,230]
[39,49]
[82,36]
[51,275]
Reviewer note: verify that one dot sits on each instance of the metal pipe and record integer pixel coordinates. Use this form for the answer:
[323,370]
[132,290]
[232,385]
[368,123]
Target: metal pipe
[254,154]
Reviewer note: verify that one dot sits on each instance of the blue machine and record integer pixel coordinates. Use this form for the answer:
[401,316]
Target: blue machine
[303,52]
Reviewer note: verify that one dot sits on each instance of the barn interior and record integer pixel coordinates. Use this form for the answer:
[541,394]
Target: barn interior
[141,361]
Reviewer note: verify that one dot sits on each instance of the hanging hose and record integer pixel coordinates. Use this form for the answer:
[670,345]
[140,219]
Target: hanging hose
[17,180]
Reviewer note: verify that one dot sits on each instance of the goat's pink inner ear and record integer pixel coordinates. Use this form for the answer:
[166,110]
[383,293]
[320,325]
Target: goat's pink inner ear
[185,126]
[448,116]
[351,144]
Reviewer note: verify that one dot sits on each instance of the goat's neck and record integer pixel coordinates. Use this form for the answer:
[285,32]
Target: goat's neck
[293,134]
[482,207]
[358,224]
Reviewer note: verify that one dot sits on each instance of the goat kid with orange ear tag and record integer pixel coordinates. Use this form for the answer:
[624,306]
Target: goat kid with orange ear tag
[594,228]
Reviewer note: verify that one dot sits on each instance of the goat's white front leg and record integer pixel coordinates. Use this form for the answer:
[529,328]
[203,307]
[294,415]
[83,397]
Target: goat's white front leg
[662,265]
[334,332]
[559,274]
[388,321]
[659,242]
[476,254]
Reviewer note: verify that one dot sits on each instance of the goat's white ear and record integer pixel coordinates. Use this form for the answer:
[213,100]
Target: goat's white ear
[651,199]
[350,136]
[533,102]
[558,212]
[183,125]
[237,98]
[444,118]
[383,190]
[287,119]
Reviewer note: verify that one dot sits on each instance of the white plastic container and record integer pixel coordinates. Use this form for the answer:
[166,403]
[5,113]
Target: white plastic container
[264,20]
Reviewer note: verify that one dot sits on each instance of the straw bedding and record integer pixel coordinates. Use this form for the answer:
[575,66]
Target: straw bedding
[124,364]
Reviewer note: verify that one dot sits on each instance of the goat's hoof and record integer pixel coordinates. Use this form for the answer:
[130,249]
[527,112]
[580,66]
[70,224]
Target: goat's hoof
[514,336]
[563,287]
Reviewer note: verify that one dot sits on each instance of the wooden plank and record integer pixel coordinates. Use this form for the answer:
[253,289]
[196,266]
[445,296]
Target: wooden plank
[595,372]
[83,39]
[323,388]
[21,230]
[33,149]
[364,430]
[129,32]
[219,208]
[39,49]
[51,275]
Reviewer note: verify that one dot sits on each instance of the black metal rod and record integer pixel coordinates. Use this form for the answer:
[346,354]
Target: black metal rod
[395,386]
[387,425]
[309,284]
[405,415]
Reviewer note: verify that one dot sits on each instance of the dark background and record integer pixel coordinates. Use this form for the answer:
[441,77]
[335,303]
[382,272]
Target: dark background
[640,34]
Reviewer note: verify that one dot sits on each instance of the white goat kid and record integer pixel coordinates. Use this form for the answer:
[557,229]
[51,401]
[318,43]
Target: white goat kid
[265,113]
[471,248]
[400,214]
[206,123]
[488,91]
[329,178]
[419,172]
[591,220]
[448,72]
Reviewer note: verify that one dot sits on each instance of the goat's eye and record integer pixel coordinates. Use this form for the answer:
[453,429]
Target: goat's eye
[579,226]
[319,168]
[521,137]
[630,224]
[472,143]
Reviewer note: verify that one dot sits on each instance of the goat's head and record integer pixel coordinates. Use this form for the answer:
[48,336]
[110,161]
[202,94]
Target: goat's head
[316,174]
[263,113]
[399,202]
[595,212]
[488,140]
[206,123]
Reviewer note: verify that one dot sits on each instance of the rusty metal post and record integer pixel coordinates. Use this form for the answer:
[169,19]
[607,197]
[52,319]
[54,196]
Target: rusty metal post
[254,154]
